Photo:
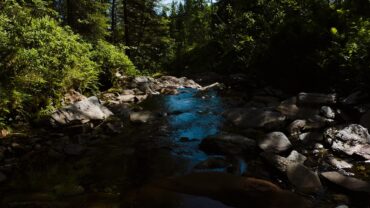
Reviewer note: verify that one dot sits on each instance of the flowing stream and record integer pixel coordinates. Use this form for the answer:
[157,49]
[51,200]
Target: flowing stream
[115,167]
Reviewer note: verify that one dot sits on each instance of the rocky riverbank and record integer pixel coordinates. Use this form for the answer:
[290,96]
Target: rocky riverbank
[313,144]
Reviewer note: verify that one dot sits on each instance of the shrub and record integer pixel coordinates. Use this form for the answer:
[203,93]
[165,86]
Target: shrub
[40,61]
[111,60]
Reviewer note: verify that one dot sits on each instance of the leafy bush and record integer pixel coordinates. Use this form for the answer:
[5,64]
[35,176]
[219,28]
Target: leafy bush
[112,60]
[40,61]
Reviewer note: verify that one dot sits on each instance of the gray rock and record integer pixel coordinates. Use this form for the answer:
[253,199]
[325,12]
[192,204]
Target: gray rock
[304,179]
[296,128]
[327,112]
[141,117]
[128,92]
[352,133]
[255,118]
[352,139]
[126,98]
[316,99]
[318,146]
[228,144]
[82,112]
[338,163]
[2,177]
[350,183]
[282,163]
[274,142]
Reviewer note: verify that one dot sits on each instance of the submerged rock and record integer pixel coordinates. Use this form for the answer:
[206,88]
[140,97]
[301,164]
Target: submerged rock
[349,183]
[274,142]
[228,144]
[255,118]
[81,112]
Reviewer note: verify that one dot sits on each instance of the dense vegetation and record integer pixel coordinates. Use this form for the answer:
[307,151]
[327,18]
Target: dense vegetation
[50,46]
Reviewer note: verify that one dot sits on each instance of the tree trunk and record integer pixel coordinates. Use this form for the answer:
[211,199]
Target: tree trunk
[126,24]
[113,20]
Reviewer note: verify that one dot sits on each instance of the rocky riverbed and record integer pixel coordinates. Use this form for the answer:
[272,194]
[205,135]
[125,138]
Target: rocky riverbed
[170,142]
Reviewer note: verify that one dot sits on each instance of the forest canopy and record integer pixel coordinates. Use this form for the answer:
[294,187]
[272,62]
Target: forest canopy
[48,47]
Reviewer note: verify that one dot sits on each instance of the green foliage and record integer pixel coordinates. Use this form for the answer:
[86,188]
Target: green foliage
[86,17]
[42,60]
[112,60]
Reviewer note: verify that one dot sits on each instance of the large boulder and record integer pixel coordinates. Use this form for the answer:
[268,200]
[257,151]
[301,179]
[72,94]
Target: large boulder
[274,142]
[304,179]
[81,112]
[282,163]
[350,183]
[255,118]
[228,144]
[353,139]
